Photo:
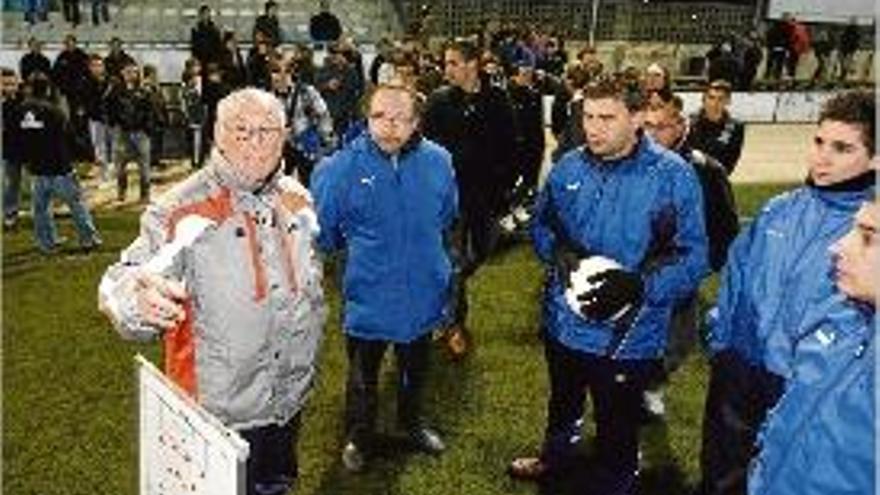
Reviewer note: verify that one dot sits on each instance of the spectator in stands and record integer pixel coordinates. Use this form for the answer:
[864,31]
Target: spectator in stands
[36,11]
[666,124]
[776,271]
[713,130]
[116,60]
[231,62]
[846,49]
[777,49]
[10,105]
[358,192]
[337,82]
[823,45]
[383,54]
[752,55]
[34,60]
[821,438]
[132,119]
[430,73]
[241,313]
[95,94]
[44,137]
[204,40]
[150,85]
[100,12]
[267,24]
[71,11]
[475,122]
[724,64]
[799,44]
[612,343]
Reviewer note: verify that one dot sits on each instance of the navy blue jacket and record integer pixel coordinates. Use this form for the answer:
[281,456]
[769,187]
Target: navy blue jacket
[645,212]
[391,214]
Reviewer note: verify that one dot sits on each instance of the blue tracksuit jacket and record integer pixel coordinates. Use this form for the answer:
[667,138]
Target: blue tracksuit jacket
[776,269]
[820,438]
[644,211]
[390,213]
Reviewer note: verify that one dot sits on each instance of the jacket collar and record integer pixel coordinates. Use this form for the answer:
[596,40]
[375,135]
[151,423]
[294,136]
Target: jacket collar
[847,194]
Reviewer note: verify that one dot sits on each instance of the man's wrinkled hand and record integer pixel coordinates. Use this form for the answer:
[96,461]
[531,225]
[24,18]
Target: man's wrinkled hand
[160,300]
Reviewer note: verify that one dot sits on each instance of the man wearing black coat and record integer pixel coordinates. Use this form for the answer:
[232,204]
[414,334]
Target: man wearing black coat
[34,60]
[714,131]
[205,42]
[475,122]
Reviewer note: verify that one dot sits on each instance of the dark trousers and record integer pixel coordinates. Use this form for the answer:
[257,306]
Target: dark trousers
[361,395]
[473,239]
[737,402]
[272,465]
[616,391]
[71,11]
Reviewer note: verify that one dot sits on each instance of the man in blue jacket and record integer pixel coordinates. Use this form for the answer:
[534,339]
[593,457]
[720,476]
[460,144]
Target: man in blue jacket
[820,439]
[775,271]
[626,200]
[388,199]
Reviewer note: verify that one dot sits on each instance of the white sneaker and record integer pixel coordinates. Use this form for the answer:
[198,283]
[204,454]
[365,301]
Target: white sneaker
[521,215]
[507,223]
[654,404]
[352,458]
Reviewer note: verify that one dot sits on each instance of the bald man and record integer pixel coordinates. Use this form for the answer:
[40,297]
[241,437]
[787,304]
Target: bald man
[224,273]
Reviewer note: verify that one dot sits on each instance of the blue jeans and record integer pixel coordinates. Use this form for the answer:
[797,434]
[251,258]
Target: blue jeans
[11,189]
[65,187]
[127,146]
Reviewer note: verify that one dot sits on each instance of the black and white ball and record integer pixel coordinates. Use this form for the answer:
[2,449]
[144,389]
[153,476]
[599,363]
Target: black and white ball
[578,279]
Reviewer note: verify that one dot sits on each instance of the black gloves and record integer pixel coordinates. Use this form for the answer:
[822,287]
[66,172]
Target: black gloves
[616,292]
[567,258]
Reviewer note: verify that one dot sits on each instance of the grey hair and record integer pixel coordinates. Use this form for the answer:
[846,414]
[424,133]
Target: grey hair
[239,101]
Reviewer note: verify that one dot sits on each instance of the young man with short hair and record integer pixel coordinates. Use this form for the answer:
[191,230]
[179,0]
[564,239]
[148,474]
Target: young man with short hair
[776,270]
[621,201]
[820,439]
[714,131]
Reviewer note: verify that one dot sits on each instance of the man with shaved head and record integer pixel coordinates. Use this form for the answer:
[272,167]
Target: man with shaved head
[224,272]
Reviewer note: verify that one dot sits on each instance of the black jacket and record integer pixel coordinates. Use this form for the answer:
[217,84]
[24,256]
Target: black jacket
[722,140]
[719,205]
[34,62]
[130,109]
[205,43]
[44,137]
[479,130]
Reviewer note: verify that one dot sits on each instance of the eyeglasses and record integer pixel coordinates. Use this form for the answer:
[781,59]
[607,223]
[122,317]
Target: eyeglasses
[395,120]
[247,133]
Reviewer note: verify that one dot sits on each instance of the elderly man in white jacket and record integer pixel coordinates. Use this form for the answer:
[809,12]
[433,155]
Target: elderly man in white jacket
[223,271]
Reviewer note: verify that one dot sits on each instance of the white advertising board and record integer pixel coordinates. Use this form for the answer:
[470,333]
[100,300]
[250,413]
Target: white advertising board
[183,449]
